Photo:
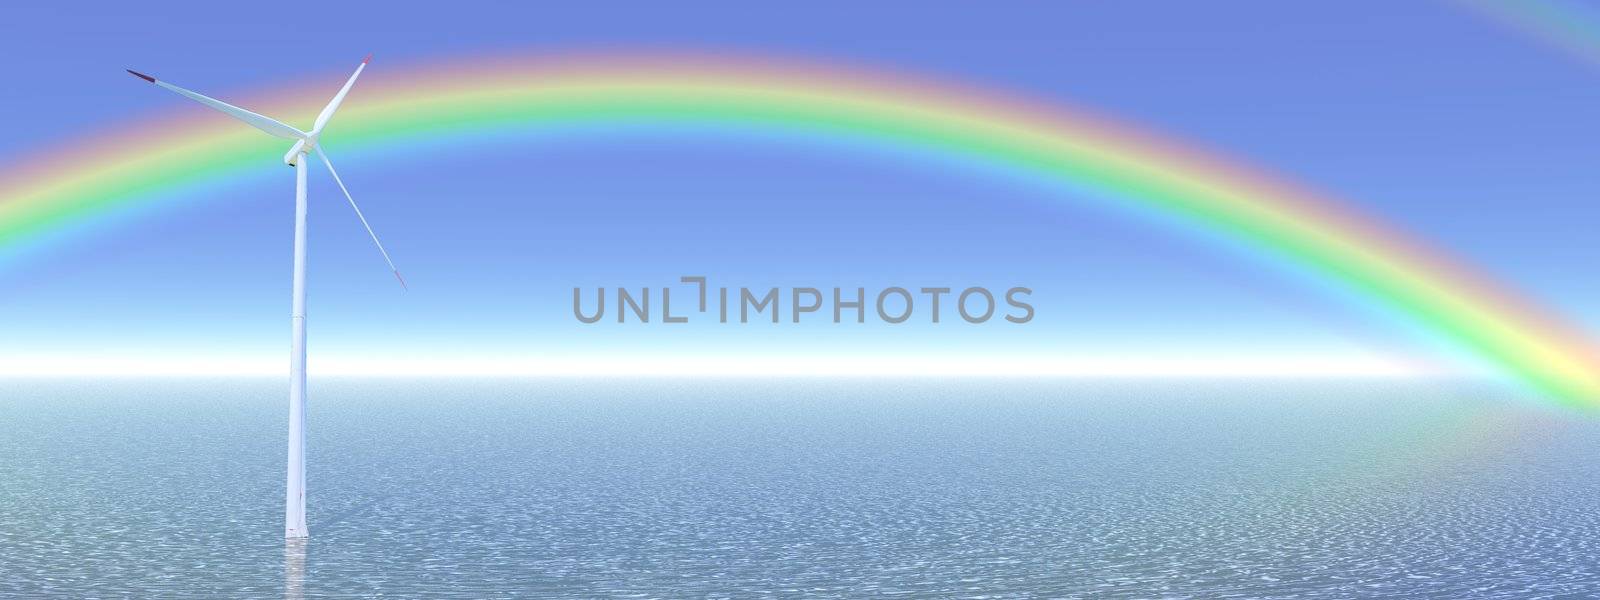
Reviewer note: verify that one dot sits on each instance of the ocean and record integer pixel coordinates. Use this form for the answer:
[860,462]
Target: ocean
[852,487]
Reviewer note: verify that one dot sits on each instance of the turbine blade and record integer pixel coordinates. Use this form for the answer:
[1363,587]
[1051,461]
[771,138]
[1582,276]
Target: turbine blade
[333,105]
[363,218]
[267,124]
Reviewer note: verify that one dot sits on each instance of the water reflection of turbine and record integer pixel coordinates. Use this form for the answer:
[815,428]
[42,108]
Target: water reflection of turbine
[294,569]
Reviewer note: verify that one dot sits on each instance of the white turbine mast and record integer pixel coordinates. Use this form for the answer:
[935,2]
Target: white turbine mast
[294,518]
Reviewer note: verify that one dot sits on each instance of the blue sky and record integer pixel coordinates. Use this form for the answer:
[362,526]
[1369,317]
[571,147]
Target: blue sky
[1461,130]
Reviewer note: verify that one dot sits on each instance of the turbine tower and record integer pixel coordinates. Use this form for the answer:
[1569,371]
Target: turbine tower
[294,517]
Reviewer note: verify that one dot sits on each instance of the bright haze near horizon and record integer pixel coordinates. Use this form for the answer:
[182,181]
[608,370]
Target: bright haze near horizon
[1439,121]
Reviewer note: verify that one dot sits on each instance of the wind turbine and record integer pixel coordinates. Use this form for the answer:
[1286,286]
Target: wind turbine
[305,143]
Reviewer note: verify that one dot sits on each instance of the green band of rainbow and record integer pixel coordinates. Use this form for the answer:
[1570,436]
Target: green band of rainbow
[1273,216]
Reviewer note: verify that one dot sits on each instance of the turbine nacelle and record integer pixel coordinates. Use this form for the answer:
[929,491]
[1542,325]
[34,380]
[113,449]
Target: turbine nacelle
[300,148]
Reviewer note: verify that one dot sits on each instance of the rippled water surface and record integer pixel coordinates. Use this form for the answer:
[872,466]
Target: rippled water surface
[852,487]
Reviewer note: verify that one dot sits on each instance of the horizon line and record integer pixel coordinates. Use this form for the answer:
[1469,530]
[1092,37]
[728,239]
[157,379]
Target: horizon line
[1050,365]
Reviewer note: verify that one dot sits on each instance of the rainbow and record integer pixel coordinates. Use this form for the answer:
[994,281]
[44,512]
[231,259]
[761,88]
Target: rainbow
[1568,26]
[458,100]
